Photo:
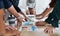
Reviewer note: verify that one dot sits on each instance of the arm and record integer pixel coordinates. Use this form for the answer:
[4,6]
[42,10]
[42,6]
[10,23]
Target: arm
[45,13]
[15,13]
[19,11]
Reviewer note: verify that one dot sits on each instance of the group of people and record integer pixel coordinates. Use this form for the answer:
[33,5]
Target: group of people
[6,4]
[53,17]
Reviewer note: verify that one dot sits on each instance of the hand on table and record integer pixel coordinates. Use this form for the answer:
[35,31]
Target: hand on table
[10,28]
[11,31]
[48,30]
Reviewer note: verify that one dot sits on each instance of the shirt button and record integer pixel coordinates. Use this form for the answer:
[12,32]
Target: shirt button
[52,19]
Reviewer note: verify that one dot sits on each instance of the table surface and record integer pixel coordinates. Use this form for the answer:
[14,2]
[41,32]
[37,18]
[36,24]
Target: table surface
[40,32]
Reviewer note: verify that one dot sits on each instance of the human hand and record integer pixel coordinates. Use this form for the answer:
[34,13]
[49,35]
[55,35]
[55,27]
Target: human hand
[21,18]
[40,16]
[26,18]
[49,30]
[8,27]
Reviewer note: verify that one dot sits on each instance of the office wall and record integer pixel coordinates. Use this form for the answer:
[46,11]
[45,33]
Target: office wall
[41,5]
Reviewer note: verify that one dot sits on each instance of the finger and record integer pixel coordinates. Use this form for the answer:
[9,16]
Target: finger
[12,28]
[23,20]
[50,31]
[46,30]
[7,28]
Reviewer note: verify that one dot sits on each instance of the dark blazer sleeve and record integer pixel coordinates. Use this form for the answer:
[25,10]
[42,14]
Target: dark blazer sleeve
[52,4]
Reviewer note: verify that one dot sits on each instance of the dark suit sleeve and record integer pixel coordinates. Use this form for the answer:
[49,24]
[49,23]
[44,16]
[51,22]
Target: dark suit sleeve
[52,4]
[17,8]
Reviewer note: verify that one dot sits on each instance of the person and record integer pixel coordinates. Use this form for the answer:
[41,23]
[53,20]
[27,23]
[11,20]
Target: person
[48,9]
[6,4]
[15,4]
[41,5]
[53,17]
[46,12]
[31,7]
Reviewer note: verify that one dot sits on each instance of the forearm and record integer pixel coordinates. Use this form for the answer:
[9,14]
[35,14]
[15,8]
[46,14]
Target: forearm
[22,13]
[13,11]
[47,11]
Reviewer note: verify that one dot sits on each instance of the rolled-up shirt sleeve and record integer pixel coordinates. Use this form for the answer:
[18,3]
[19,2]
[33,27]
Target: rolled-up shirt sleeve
[7,4]
[52,4]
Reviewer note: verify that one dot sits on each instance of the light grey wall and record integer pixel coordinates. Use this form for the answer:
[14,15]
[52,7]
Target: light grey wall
[41,5]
